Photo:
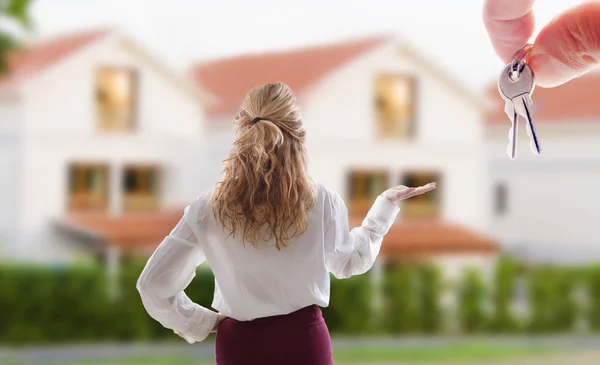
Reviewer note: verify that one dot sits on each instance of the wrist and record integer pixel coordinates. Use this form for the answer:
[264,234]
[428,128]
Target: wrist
[218,320]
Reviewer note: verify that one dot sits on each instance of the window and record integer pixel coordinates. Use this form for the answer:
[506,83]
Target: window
[88,187]
[395,106]
[141,188]
[424,206]
[363,189]
[115,98]
[500,198]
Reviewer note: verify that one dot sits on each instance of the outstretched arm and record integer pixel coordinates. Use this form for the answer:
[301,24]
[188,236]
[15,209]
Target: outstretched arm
[349,253]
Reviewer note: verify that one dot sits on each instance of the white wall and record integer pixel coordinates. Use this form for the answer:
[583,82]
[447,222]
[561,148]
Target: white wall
[453,266]
[61,128]
[339,117]
[10,179]
[553,201]
[220,138]
[340,107]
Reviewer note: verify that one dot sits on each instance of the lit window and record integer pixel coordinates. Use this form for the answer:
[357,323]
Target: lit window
[115,98]
[395,106]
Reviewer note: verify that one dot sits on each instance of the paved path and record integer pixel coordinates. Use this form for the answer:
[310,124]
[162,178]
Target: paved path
[579,358]
[587,349]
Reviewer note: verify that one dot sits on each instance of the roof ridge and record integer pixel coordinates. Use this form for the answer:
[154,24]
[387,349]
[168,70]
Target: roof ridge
[63,35]
[312,47]
[230,78]
[35,57]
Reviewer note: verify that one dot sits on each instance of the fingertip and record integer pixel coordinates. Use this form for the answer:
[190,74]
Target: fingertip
[568,46]
[509,25]
[550,72]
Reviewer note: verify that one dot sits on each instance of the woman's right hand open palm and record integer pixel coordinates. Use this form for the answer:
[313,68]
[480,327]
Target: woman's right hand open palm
[401,192]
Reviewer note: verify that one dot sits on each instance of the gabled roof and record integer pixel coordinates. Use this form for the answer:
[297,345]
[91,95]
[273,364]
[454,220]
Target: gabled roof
[230,79]
[576,100]
[28,62]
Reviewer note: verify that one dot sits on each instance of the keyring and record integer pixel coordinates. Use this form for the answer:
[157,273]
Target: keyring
[518,61]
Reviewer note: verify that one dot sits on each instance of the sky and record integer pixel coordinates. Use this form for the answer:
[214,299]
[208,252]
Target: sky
[449,32]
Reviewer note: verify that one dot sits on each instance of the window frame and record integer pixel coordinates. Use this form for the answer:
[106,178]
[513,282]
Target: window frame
[362,205]
[156,195]
[73,193]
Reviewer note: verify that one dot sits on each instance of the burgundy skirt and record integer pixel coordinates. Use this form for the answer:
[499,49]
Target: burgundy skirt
[298,338]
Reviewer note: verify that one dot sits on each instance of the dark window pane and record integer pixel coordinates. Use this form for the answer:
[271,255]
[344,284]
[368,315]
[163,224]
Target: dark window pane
[130,180]
[500,198]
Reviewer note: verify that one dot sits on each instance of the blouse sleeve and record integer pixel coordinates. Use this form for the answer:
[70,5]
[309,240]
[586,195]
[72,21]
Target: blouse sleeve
[161,285]
[349,253]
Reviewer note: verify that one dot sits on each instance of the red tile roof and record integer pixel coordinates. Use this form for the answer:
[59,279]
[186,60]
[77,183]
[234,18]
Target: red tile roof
[230,79]
[406,240]
[417,239]
[130,231]
[575,100]
[29,61]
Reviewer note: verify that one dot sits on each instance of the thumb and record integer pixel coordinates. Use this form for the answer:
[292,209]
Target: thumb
[568,47]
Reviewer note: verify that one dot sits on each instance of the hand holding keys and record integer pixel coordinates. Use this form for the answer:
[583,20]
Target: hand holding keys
[516,83]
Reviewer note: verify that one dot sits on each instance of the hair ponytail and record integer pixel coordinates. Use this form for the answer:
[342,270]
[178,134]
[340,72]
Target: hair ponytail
[266,192]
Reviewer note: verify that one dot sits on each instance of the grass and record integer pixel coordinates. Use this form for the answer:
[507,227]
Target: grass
[470,352]
[171,360]
[451,353]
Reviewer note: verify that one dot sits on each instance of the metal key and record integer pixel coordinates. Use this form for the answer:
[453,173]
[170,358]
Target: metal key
[516,83]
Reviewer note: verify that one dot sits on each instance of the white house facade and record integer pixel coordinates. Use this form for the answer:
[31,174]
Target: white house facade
[91,126]
[547,207]
[377,114]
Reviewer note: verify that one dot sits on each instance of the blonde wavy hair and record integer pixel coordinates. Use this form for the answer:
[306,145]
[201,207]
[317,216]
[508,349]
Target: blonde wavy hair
[266,192]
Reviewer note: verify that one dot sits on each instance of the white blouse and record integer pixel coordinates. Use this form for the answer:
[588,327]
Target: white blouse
[258,282]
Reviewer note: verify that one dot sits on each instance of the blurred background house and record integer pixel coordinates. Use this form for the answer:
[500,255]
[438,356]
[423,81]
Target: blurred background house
[98,138]
[545,208]
[110,173]
[102,145]
[377,114]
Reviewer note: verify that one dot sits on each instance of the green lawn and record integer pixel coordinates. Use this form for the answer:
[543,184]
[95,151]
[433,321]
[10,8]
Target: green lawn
[451,353]
[473,352]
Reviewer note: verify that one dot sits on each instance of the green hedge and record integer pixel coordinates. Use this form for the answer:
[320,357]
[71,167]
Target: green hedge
[552,300]
[43,305]
[412,295]
[349,309]
[472,300]
[505,278]
[592,282]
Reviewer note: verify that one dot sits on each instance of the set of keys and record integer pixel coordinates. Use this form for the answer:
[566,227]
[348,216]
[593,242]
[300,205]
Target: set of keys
[516,84]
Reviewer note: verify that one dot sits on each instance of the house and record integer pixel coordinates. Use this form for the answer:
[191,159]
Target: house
[102,145]
[546,207]
[96,140]
[377,114]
